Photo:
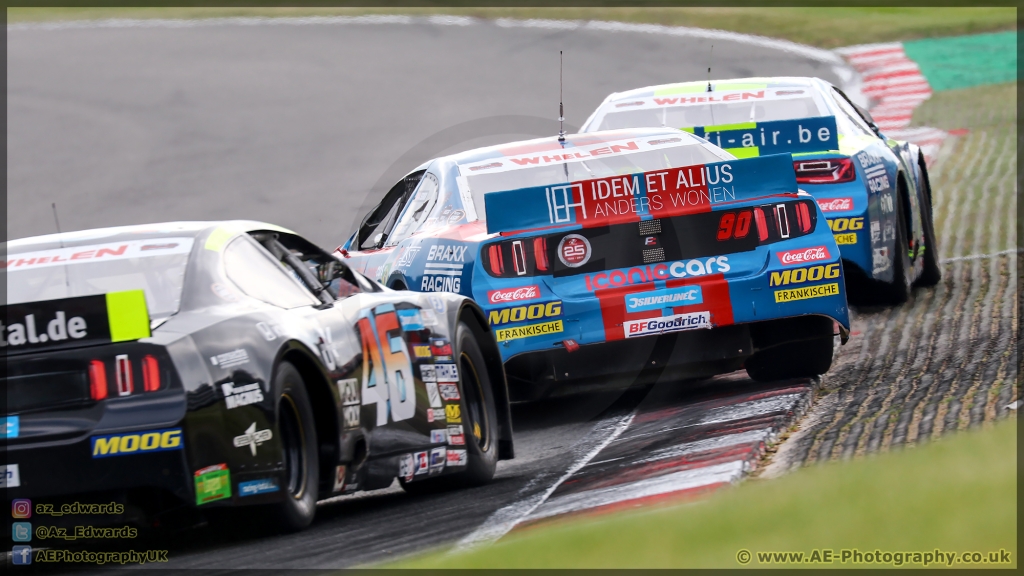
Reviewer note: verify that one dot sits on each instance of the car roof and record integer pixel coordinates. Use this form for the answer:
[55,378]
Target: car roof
[550,143]
[189,229]
[729,84]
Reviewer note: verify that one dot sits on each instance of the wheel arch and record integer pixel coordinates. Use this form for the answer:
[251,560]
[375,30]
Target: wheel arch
[471,313]
[903,196]
[321,396]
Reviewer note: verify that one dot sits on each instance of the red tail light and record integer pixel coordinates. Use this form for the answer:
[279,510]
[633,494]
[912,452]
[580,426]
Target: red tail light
[97,380]
[123,374]
[494,259]
[824,171]
[540,253]
[803,217]
[150,373]
[762,224]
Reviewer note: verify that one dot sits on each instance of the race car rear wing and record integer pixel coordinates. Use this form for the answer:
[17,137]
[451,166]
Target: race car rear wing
[751,139]
[72,322]
[640,196]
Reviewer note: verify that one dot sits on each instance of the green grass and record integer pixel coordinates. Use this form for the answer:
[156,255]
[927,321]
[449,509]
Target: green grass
[956,494]
[823,27]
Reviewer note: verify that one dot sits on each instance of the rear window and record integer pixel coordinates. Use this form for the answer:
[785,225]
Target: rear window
[714,114]
[685,154]
[155,266]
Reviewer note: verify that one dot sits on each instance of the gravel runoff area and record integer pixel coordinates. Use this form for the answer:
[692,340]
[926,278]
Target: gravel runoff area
[947,360]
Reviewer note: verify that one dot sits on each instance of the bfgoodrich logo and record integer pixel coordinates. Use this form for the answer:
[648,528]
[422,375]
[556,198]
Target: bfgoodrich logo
[673,323]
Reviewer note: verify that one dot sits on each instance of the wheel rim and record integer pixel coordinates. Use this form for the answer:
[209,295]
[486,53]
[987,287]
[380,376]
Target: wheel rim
[477,414]
[293,446]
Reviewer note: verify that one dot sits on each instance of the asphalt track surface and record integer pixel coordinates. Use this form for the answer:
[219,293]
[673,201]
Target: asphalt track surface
[304,126]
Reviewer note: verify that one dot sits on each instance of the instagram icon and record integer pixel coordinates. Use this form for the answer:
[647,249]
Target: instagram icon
[21,508]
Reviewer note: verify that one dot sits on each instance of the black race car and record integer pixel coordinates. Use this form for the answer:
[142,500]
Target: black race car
[174,368]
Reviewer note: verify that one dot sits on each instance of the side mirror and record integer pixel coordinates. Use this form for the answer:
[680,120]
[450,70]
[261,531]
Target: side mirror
[379,239]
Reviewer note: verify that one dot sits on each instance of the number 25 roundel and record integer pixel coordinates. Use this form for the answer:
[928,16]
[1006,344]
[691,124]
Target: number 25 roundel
[387,371]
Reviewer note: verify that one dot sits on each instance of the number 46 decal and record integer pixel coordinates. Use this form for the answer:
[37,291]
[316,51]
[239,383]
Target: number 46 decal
[387,371]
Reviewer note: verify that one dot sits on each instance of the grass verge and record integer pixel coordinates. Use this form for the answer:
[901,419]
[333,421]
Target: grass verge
[958,494]
[822,27]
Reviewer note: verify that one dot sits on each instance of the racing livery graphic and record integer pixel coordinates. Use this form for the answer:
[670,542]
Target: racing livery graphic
[607,254]
[874,191]
[187,366]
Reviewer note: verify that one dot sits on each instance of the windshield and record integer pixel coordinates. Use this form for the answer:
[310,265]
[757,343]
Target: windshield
[686,154]
[156,266]
[682,113]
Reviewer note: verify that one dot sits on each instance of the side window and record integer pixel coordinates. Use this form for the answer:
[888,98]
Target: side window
[850,121]
[378,224]
[256,274]
[417,209]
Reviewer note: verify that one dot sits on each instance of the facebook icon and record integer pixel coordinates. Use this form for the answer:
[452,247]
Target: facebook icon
[21,555]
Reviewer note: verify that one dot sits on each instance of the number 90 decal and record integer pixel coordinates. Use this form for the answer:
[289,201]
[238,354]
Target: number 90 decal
[387,370]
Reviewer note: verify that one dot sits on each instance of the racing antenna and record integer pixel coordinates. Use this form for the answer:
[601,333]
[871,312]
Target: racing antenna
[710,58]
[561,109]
[67,283]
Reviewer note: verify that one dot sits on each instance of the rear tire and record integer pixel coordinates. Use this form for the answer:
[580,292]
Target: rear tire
[931,274]
[803,359]
[479,420]
[297,431]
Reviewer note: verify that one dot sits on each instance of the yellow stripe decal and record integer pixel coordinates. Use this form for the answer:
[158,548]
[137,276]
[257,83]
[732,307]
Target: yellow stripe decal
[218,238]
[127,315]
[726,127]
[748,152]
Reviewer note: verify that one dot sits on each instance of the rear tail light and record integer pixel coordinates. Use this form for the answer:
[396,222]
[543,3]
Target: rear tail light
[529,257]
[803,217]
[773,221]
[97,380]
[150,373]
[824,171]
[123,374]
[762,224]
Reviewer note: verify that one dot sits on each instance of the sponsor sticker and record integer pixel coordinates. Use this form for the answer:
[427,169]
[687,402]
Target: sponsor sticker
[665,298]
[447,372]
[803,255]
[845,224]
[437,459]
[437,303]
[82,320]
[438,437]
[674,323]
[212,483]
[429,317]
[663,271]
[351,416]
[10,477]
[339,478]
[422,462]
[831,289]
[836,205]
[574,250]
[440,347]
[519,294]
[98,253]
[11,427]
[348,389]
[241,395]
[421,351]
[230,359]
[252,438]
[433,395]
[846,239]
[262,486]
[453,413]
[136,442]
[801,275]
[410,319]
[428,373]
[456,457]
[267,331]
[449,391]
[512,314]
[455,436]
[504,334]
[225,293]
[407,467]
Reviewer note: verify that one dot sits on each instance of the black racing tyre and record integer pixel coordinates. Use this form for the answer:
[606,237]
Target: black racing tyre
[898,291]
[297,432]
[804,359]
[479,420]
[931,274]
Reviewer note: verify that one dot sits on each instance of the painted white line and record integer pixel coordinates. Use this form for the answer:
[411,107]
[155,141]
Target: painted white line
[727,472]
[982,256]
[506,518]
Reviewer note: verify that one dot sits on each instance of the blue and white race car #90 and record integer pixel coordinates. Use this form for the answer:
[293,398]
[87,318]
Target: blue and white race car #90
[619,253]
[873,190]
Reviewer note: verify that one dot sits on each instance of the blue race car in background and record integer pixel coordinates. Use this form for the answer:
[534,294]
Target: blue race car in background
[873,190]
[631,254]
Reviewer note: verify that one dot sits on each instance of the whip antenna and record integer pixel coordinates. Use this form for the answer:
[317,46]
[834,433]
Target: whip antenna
[711,57]
[561,108]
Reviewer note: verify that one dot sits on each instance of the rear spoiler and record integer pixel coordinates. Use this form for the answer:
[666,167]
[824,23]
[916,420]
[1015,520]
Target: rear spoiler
[640,196]
[73,322]
[752,139]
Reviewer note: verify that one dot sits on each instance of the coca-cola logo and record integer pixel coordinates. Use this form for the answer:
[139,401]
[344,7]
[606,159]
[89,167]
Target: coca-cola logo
[513,294]
[804,255]
[574,250]
[836,205]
